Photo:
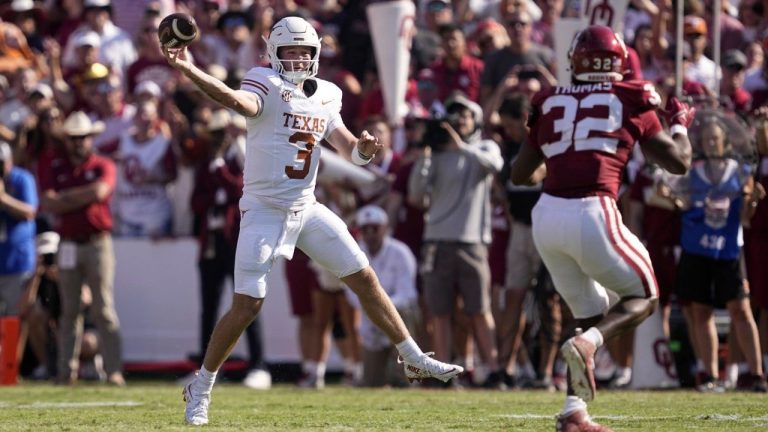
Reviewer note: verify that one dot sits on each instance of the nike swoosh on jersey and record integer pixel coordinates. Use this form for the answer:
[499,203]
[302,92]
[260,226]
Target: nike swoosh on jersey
[325,102]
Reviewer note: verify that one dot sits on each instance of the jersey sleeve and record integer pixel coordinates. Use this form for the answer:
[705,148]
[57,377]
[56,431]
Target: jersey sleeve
[641,95]
[649,125]
[258,81]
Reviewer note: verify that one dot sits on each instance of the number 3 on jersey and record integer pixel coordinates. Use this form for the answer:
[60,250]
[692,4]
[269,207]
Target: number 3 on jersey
[577,133]
[304,155]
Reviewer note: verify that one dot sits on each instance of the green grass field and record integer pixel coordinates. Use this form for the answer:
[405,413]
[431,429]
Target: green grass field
[154,406]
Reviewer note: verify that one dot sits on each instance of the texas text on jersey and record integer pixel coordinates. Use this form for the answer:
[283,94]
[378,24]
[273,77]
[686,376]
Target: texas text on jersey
[586,133]
[282,150]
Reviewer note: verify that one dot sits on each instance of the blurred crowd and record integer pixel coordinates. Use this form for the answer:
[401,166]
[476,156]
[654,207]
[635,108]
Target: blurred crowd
[100,137]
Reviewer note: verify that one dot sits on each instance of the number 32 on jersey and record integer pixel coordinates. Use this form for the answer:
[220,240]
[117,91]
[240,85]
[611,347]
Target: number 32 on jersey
[577,133]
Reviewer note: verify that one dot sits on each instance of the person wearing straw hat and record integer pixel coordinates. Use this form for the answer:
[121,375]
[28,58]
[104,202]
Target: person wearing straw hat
[77,189]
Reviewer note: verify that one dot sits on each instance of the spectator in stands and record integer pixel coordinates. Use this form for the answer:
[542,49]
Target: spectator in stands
[396,266]
[30,18]
[333,71]
[454,176]
[14,50]
[751,14]
[235,30]
[456,69]
[756,236]
[520,51]
[732,34]
[489,36]
[110,108]
[217,191]
[14,109]
[150,64]
[116,48]
[426,42]
[721,193]
[643,45]
[385,164]
[77,188]
[701,68]
[146,164]
[733,96]
[131,15]
[755,58]
[332,310]
[18,207]
[544,29]
[43,142]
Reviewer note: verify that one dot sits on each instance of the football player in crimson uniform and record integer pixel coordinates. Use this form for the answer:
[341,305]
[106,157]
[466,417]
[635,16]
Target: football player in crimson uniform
[584,134]
[289,112]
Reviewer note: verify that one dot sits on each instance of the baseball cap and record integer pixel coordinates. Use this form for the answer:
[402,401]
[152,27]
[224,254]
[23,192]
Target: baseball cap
[88,38]
[148,87]
[96,3]
[734,58]
[43,90]
[458,98]
[437,5]
[693,24]
[47,243]
[371,215]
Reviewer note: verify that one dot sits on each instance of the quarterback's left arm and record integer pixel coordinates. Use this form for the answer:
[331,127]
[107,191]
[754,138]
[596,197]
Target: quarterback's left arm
[358,150]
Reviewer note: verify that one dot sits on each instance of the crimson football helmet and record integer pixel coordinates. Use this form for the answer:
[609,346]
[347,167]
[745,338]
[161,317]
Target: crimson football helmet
[597,54]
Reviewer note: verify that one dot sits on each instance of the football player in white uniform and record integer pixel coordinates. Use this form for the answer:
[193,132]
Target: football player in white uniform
[288,113]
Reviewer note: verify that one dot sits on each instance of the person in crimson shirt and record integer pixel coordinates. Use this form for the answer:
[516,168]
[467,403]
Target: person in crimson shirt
[77,188]
[584,134]
[456,70]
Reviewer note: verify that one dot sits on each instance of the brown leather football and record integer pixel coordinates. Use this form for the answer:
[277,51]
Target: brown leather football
[177,30]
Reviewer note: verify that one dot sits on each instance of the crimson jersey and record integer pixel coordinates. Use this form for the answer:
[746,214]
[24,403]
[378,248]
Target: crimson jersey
[586,133]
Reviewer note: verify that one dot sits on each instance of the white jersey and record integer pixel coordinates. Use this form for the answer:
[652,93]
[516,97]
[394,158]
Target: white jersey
[137,202]
[282,149]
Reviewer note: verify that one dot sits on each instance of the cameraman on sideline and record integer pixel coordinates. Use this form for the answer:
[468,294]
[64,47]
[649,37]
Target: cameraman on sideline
[18,206]
[452,180]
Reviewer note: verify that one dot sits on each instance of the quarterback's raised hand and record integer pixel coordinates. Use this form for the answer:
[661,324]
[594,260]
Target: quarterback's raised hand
[367,145]
[678,113]
[177,57]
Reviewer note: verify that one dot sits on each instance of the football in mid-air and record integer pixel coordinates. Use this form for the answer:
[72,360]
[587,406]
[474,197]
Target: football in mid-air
[177,30]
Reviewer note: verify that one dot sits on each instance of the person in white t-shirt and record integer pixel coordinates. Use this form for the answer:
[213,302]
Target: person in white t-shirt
[395,265]
[289,112]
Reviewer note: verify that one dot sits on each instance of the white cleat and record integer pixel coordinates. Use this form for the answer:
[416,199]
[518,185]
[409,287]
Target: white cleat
[196,412]
[427,367]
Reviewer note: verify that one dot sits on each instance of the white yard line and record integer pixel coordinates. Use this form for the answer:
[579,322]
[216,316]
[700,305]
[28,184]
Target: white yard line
[707,417]
[68,405]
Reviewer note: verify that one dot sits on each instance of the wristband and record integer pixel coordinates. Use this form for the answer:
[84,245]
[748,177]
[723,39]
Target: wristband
[678,129]
[359,158]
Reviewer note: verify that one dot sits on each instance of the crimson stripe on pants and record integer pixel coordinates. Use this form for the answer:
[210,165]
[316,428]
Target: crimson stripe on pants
[611,224]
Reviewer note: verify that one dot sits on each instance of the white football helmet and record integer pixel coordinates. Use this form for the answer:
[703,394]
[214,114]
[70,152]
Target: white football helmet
[293,31]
